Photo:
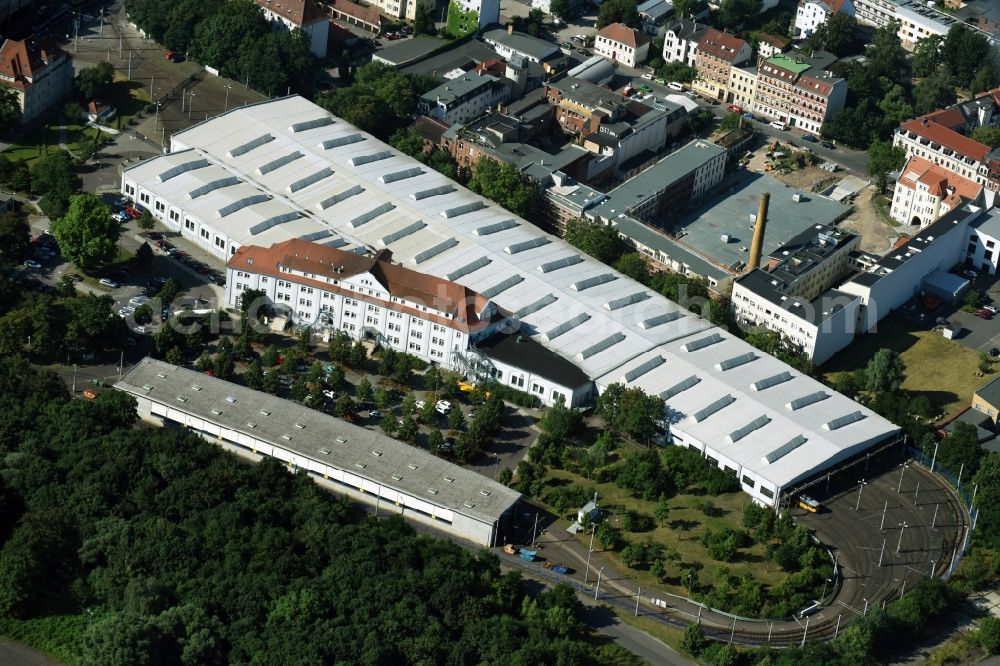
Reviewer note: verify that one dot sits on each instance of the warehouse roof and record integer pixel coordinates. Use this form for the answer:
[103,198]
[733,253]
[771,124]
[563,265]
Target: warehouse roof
[317,437]
[566,301]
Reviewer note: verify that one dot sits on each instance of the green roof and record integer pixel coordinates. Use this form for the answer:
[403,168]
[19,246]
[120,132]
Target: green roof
[791,65]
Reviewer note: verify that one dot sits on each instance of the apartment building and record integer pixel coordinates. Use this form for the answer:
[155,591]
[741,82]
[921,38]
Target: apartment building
[367,297]
[917,20]
[717,53]
[811,14]
[983,250]
[925,191]
[463,98]
[771,45]
[792,90]
[306,15]
[743,86]
[680,41]
[942,137]
[488,11]
[509,44]
[619,43]
[875,13]
[38,72]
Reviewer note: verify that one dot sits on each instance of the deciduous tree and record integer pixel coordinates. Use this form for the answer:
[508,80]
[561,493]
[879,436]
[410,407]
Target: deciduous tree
[87,235]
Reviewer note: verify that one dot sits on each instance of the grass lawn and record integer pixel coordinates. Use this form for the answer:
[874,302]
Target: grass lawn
[682,532]
[943,370]
[45,140]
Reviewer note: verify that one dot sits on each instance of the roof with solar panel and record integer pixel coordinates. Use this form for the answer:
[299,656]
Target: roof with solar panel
[348,188]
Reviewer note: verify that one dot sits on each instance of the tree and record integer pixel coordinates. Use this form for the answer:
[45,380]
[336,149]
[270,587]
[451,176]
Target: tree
[886,55]
[10,109]
[617,11]
[631,411]
[734,13]
[601,241]
[382,398]
[15,235]
[170,290]
[389,424]
[145,220]
[927,55]
[54,178]
[634,266]
[409,405]
[95,81]
[896,106]
[144,255]
[504,184]
[884,157]
[364,390]
[730,122]
[885,373]
[343,405]
[408,430]
[434,440]
[988,135]
[87,235]
[961,448]
[985,78]
[835,35]
[934,92]
[679,72]
[985,363]
[988,634]
[562,9]
[254,376]
[963,53]
[456,420]
[689,8]
[423,22]
[662,510]
[693,641]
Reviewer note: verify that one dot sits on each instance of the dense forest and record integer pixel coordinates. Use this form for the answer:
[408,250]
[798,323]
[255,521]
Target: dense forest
[161,548]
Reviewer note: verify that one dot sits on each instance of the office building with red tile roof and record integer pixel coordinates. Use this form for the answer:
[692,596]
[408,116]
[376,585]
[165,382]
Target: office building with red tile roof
[717,53]
[306,15]
[38,72]
[619,43]
[925,191]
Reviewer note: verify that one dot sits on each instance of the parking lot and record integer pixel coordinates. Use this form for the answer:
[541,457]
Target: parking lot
[979,332]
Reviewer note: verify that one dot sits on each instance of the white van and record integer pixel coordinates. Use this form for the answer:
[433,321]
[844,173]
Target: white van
[778,125]
[673,85]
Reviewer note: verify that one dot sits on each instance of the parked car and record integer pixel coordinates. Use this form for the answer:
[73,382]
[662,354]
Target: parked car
[983,314]
[138,300]
[778,125]
[994,352]
[826,144]
[647,76]
[442,407]
[991,308]
[32,264]
[374,414]
[155,235]
[583,51]
[735,108]
[810,138]
[673,85]
[330,394]
[133,212]
[126,311]
[971,274]
[644,88]
[109,283]
[169,55]
[74,277]
[420,405]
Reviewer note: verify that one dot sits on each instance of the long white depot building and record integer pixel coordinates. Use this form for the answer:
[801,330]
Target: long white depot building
[287,168]
[362,464]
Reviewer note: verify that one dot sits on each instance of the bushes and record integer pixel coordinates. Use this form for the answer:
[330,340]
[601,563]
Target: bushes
[511,395]
[724,544]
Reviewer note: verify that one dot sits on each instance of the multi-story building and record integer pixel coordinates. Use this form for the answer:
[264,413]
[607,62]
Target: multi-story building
[776,79]
[942,138]
[813,13]
[983,251]
[358,15]
[816,95]
[771,45]
[877,13]
[717,53]
[488,11]
[306,15]
[38,72]
[925,191]
[653,14]
[917,20]
[680,41]
[619,43]
[463,98]
[367,297]
[509,44]
[743,86]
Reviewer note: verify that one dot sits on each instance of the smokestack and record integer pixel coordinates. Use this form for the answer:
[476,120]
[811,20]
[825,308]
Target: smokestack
[757,246]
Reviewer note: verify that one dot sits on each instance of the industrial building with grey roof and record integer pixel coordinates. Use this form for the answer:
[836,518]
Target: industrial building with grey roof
[349,189]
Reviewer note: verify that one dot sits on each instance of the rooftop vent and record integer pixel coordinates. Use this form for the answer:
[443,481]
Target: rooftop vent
[341,440]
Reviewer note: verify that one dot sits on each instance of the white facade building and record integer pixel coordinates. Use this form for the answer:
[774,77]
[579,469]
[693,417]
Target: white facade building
[488,10]
[680,41]
[619,43]
[38,73]
[331,183]
[305,15]
[362,464]
[813,13]
[365,297]
[463,98]
[925,191]
[984,242]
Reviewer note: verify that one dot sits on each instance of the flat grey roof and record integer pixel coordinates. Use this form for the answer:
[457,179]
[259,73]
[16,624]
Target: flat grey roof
[532,46]
[457,88]
[406,51]
[362,452]
[463,56]
[659,241]
[732,212]
[989,223]
[769,286]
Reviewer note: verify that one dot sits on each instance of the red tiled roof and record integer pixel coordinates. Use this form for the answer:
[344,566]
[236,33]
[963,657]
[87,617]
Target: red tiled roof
[299,12]
[720,44]
[814,85]
[364,14]
[948,138]
[938,181]
[951,118]
[23,59]
[773,40]
[621,33]
[323,261]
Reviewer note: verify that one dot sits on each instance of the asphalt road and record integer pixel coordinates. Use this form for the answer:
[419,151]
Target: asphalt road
[634,640]
[16,654]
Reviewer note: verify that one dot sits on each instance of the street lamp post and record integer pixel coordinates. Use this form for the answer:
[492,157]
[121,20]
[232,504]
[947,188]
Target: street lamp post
[901,472]
[590,551]
[865,612]
[899,543]
[882,553]
[156,118]
[857,506]
[228,86]
[190,103]
[597,588]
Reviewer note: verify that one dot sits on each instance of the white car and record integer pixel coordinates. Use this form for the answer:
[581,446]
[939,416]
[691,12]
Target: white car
[991,308]
[126,311]
[138,300]
[32,264]
[330,394]
[419,405]
[647,76]
[442,407]
[374,414]
[673,85]
[111,284]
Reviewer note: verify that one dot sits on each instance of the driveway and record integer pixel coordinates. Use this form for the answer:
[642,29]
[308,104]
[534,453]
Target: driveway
[980,334]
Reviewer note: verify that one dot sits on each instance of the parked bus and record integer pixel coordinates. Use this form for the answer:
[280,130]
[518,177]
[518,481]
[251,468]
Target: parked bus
[809,504]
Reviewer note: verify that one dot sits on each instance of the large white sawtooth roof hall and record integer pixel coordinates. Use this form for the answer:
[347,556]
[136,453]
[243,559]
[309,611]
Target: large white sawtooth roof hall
[288,168]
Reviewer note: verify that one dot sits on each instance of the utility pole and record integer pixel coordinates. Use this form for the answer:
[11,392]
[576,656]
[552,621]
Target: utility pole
[590,551]
[74,378]
[934,458]
[960,470]
[805,632]
[228,86]
[901,472]
[102,22]
[866,608]
[120,51]
[183,97]
[884,509]
[76,38]
[121,365]
[932,568]
[934,519]
[151,79]
[638,590]
[732,633]
[597,588]
[882,553]
[837,631]
[899,544]
[130,64]
[857,506]
[916,494]
[190,103]
[534,531]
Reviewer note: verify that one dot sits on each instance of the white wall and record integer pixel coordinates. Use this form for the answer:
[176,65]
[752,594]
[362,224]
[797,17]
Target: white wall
[544,389]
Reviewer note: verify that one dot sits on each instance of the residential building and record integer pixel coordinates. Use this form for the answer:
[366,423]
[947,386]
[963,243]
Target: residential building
[461,99]
[816,95]
[811,14]
[488,11]
[918,20]
[366,297]
[38,72]
[99,112]
[509,44]
[349,190]
[925,191]
[306,15]
[364,465]
[619,43]
[595,69]
[743,86]
[680,41]
[877,13]
[771,45]
[653,14]
[942,138]
[717,53]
